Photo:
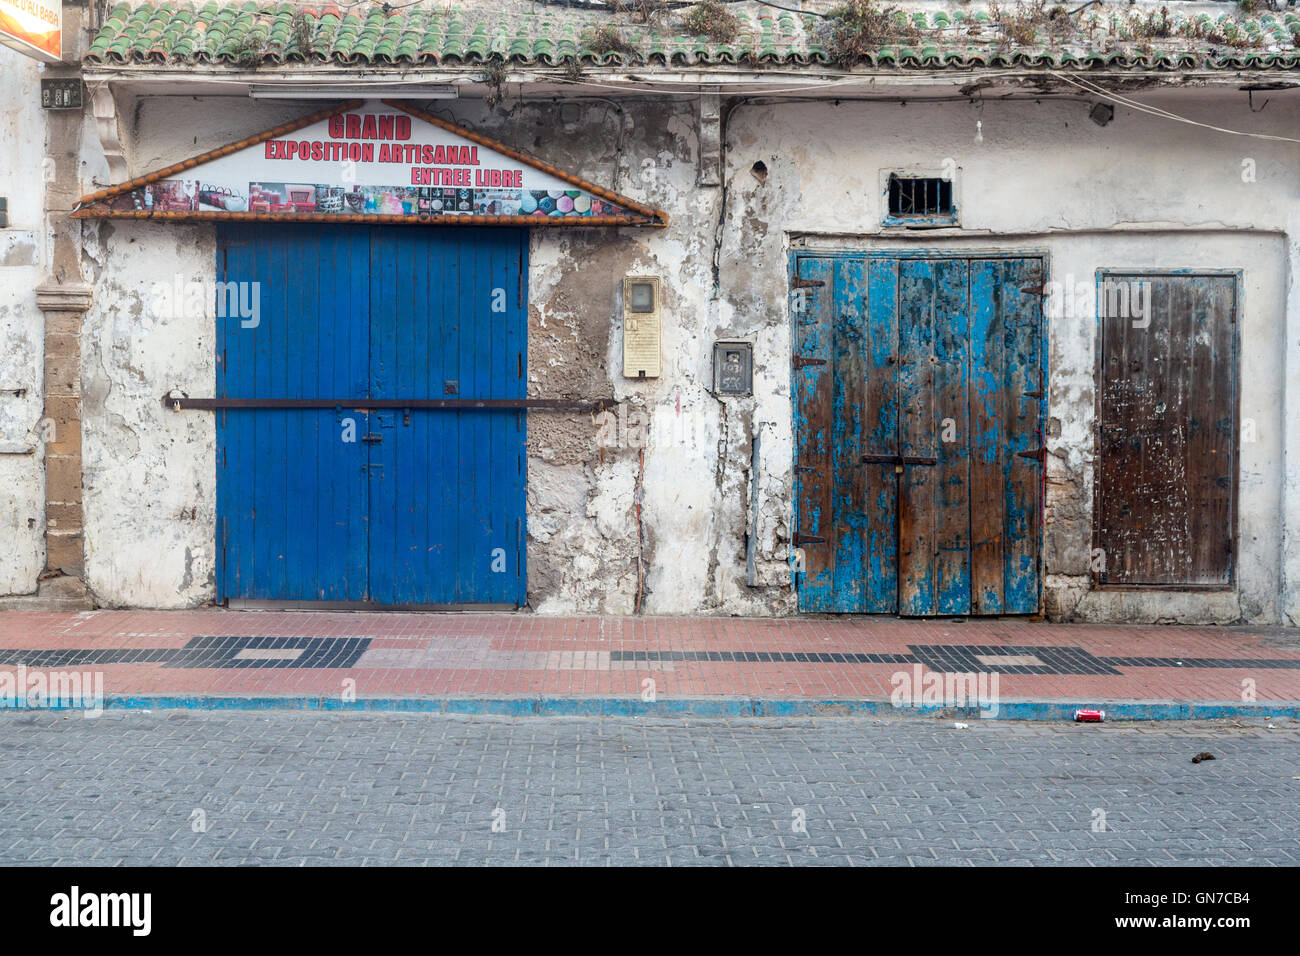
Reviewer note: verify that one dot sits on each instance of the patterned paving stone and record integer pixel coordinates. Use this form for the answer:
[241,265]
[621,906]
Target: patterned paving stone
[287,788]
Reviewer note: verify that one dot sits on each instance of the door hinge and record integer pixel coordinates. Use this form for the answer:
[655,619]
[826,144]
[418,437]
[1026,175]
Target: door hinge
[801,539]
[799,282]
[1037,455]
[800,361]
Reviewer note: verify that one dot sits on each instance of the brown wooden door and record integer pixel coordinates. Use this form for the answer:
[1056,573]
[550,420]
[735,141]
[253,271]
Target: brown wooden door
[1167,431]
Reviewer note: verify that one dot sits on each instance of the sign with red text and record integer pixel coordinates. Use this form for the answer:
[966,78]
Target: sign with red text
[372,162]
[34,27]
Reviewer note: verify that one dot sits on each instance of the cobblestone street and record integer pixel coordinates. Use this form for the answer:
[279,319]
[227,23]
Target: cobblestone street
[292,788]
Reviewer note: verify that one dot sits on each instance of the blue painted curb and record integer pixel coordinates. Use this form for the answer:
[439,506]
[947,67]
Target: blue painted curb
[709,707]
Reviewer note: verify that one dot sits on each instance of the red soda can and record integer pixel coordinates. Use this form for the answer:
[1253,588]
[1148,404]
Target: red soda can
[1089,716]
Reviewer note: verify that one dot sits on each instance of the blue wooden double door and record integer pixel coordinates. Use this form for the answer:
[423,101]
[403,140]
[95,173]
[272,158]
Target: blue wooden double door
[342,502]
[918,391]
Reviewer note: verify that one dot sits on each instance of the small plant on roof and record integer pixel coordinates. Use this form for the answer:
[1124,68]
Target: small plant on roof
[1153,25]
[301,29]
[606,38]
[712,19]
[247,50]
[642,11]
[573,68]
[495,75]
[1020,23]
[857,27]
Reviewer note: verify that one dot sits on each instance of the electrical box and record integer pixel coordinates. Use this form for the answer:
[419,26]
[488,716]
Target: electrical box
[62,93]
[641,324]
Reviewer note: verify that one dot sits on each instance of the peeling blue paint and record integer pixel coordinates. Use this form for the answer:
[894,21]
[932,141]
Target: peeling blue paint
[704,707]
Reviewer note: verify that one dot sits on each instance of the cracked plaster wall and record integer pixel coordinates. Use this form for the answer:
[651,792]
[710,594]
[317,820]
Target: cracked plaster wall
[1045,179]
[23,253]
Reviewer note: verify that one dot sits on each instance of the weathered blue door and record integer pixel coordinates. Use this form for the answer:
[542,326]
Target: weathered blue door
[918,395]
[392,506]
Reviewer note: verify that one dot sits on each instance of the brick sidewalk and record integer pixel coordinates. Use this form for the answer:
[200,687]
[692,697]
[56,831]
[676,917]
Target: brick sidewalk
[269,654]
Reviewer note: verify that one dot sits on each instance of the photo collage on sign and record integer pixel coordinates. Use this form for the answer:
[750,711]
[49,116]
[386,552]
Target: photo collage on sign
[283,198]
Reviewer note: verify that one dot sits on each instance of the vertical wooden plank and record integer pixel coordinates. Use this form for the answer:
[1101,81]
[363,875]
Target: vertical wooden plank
[426,378]
[412,578]
[988,406]
[301,347]
[341,504]
[848,404]
[233,513]
[951,425]
[517,375]
[1119,444]
[917,437]
[472,566]
[441,427]
[1212,433]
[382,481]
[496,481]
[812,383]
[357,321]
[506,490]
[270,514]
[880,437]
[1021,311]
[1021,318]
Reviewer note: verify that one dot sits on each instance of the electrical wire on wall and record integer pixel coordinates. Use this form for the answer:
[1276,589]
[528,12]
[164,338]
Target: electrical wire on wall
[1166,114]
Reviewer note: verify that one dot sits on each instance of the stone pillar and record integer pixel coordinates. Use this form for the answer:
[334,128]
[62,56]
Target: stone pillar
[63,306]
[63,297]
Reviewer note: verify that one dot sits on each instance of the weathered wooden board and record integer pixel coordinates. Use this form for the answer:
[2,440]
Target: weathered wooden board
[1167,433]
[812,378]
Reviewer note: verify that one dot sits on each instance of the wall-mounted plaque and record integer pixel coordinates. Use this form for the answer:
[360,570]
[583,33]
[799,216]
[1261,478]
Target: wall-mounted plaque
[733,368]
[641,327]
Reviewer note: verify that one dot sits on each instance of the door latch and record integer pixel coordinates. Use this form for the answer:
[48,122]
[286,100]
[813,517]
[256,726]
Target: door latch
[371,438]
[897,460]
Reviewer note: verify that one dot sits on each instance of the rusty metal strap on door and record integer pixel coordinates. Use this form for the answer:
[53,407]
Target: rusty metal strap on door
[897,460]
[453,404]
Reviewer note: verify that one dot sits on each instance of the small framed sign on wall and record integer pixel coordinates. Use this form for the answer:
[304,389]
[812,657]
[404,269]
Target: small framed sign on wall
[733,368]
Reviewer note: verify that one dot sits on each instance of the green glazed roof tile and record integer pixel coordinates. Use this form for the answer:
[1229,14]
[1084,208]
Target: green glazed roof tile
[265,34]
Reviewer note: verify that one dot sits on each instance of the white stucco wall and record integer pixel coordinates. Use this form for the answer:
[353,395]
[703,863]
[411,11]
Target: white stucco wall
[1140,192]
[23,253]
